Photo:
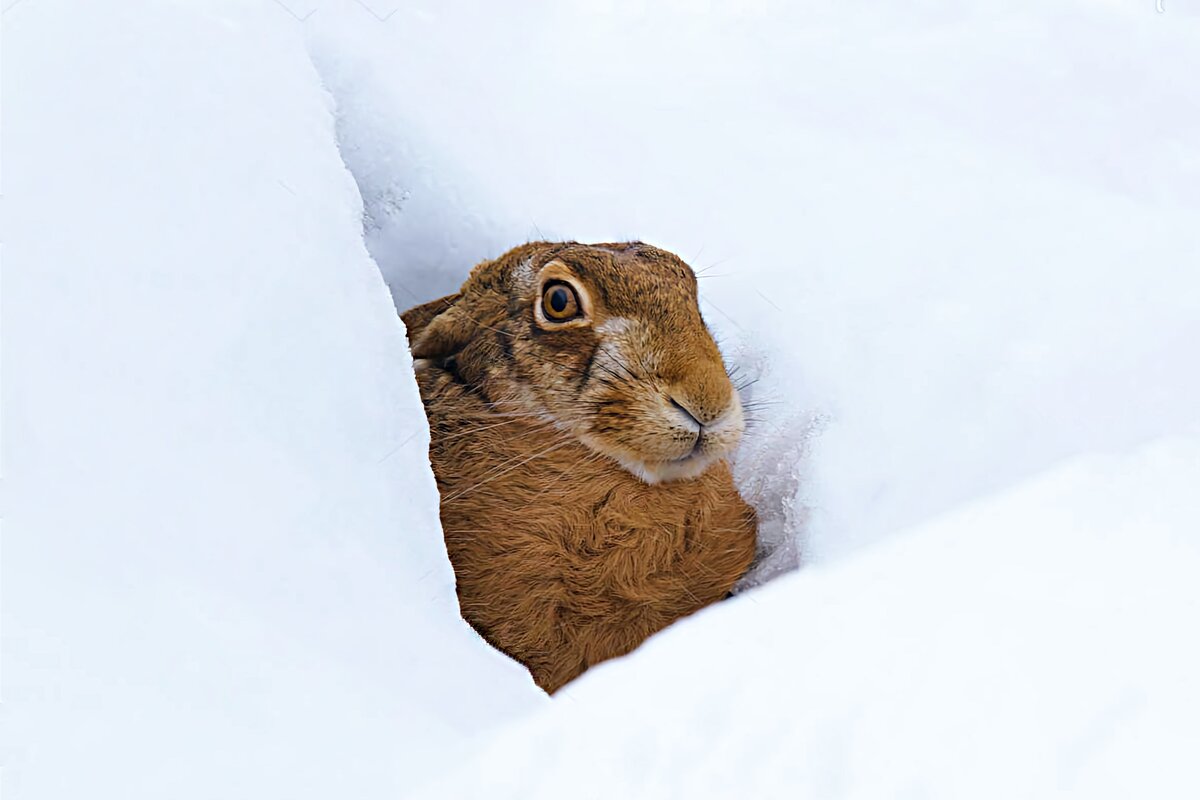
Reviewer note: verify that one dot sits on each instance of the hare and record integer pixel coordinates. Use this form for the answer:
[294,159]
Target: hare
[580,414]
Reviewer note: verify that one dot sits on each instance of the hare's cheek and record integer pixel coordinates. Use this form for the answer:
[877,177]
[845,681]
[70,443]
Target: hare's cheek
[609,418]
[619,426]
[655,435]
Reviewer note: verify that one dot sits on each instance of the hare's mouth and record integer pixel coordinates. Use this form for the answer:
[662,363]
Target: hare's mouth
[656,468]
[671,444]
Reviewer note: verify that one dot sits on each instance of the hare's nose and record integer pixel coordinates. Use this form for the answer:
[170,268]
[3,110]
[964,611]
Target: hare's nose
[685,411]
[700,412]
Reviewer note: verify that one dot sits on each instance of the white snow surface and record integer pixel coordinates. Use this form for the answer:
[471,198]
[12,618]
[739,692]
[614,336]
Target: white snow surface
[223,572]
[956,246]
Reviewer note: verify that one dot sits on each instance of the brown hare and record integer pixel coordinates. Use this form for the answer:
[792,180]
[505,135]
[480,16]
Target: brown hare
[580,414]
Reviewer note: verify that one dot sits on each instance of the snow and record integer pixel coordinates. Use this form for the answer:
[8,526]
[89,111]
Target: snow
[959,240]
[223,573]
[1037,643]
[954,245]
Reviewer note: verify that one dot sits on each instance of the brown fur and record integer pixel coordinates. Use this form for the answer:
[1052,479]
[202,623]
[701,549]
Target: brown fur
[582,510]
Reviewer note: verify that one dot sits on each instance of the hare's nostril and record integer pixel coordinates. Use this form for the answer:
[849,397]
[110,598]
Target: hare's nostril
[684,410]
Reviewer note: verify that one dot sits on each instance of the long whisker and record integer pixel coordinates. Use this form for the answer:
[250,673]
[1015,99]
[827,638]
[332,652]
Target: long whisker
[498,472]
[479,429]
[614,355]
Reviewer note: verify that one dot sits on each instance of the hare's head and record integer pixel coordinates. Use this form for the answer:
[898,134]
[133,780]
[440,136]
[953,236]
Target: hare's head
[604,341]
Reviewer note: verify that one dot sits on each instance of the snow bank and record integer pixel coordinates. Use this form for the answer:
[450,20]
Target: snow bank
[958,239]
[1036,644]
[223,572]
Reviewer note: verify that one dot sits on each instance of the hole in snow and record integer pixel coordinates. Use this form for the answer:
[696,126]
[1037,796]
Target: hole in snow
[426,225]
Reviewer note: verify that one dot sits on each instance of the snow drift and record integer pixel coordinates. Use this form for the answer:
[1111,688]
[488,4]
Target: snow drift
[223,572]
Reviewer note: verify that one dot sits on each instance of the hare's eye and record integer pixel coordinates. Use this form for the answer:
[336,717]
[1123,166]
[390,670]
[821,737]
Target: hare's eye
[559,302]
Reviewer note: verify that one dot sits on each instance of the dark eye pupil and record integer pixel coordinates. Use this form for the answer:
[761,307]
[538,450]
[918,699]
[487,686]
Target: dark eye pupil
[558,299]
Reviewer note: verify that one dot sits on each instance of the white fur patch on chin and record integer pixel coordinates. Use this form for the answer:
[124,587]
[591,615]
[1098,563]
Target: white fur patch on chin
[654,472]
[667,471]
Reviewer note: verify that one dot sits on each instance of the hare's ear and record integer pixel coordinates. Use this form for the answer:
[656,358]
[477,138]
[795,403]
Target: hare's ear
[417,318]
[439,329]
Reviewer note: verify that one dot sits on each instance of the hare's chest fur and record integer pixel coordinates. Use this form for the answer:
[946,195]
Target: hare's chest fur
[562,558]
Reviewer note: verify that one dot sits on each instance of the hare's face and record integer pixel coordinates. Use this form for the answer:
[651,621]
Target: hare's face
[609,341]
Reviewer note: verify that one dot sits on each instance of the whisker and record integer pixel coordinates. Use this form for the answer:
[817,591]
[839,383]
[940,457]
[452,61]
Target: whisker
[480,429]
[499,472]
